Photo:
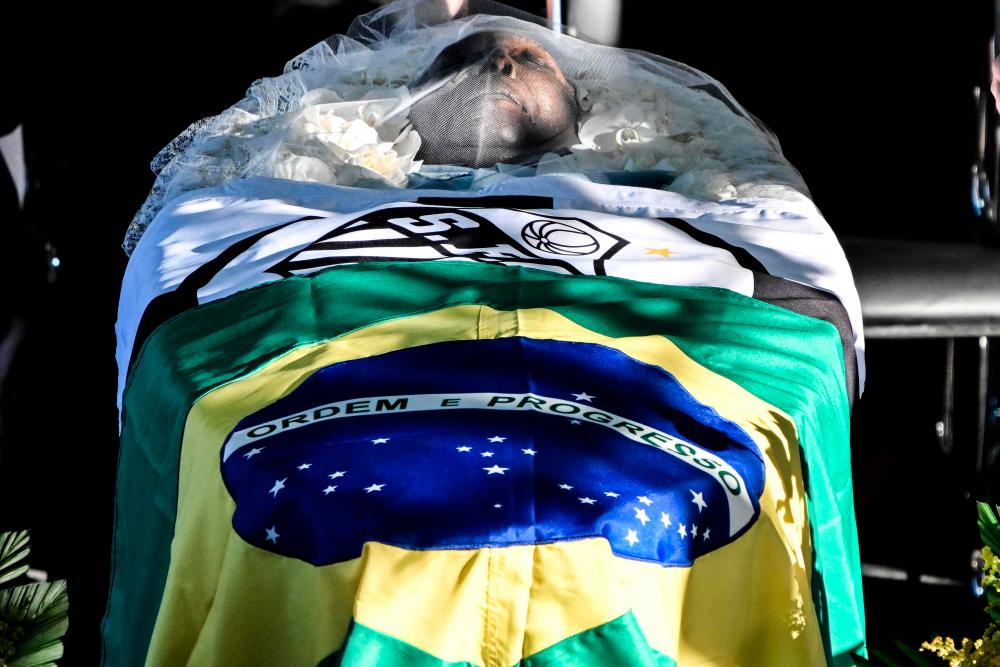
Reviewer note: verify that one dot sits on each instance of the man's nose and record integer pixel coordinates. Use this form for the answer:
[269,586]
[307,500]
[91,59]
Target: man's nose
[502,63]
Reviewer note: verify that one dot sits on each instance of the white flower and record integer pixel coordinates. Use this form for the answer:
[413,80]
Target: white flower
[336,141]
[702,182]
[615,129]
[351,137]
[303,168]
[320,96]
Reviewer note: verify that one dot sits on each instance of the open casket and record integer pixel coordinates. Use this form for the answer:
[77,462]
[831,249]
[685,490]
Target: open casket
[586,403]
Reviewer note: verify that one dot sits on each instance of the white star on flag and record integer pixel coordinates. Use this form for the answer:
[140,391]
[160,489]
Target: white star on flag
[575,422]
[279,484]
[486,454]
[253,452]
[374,487]
[567,487]
[682,531]
[584,397]
[463,448]
[529,451]
[611,494]
[694,530]
[497,438]
[495,470]
[631,538]
[305,466]
[328,490]
[644,500]
[698,500]
[380,441]
[335,475]
[665,519]
[498,506]
[587,501]
[641,515]
[272,534]
[704,535]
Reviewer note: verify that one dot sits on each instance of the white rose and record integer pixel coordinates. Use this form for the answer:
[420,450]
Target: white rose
[302,168]
[342,142]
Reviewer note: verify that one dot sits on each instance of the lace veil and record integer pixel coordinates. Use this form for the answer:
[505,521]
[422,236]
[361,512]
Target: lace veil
[344,112]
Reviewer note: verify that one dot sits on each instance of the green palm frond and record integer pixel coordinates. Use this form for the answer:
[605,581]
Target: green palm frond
[989,530]
[41,612]
[13,550]
[989,525]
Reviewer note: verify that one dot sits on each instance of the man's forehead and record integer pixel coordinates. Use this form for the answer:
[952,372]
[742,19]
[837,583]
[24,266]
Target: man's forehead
[482,44]
[489,39]
[512,41]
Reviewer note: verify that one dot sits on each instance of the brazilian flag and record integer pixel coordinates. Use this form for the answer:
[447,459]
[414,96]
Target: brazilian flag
[455,463]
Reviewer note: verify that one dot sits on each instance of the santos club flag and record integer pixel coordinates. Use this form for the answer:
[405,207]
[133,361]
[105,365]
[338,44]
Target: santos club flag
[459,462]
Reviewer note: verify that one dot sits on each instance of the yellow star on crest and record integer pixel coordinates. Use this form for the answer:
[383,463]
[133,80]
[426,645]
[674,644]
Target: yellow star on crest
[662,252]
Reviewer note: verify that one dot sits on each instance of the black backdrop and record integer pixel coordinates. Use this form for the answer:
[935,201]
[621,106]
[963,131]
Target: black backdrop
[872,103]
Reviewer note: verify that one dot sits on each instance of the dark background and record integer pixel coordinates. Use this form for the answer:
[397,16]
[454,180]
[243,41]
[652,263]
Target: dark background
[872,103]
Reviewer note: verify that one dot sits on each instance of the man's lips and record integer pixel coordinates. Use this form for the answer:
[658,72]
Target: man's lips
[506,92]
[488,87]
[503,95]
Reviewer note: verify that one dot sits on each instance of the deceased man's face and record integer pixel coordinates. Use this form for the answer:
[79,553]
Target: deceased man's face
[504,100]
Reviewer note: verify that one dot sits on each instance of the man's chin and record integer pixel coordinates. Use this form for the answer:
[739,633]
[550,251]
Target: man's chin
[479,156]
[503,140]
